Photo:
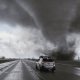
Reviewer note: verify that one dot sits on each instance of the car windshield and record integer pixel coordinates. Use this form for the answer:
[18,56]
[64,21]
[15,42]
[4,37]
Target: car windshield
[48,60]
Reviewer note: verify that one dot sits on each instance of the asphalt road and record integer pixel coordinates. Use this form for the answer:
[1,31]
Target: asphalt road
[25,70]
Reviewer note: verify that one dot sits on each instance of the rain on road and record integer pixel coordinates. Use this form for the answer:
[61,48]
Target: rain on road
[15,11]
[25,70]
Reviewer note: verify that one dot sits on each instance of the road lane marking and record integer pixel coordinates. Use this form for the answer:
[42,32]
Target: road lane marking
[77,71]
[32,72]
[74,70]
[8,67]
[16,73]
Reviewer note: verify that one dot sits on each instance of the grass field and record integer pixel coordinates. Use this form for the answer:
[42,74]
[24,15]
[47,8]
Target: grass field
[5,60]
[72,63]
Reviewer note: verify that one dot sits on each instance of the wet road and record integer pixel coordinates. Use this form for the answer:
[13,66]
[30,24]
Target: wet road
[25,70]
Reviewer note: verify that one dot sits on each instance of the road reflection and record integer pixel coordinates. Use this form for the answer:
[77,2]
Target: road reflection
[77,71]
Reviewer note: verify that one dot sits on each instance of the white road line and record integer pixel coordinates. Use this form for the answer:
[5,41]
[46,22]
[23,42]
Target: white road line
[3,65]
[32,72]
[5,69]
[16,73]
[77,71]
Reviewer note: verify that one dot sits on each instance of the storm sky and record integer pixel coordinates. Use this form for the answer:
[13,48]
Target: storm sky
[30,28]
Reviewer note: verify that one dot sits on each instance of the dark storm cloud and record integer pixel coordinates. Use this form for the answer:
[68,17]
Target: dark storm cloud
[75,24]
[11,12]
[53,16]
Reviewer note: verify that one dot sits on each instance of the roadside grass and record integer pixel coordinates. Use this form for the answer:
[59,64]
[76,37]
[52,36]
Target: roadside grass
[5,60]
[72,63]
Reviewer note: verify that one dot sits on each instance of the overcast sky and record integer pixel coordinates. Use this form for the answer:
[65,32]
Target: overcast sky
[22,42]
[29,28]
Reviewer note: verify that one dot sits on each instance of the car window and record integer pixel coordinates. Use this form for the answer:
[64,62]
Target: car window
[48,60]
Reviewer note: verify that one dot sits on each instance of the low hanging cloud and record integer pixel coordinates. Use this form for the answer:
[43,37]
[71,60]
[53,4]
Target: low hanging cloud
[73,39]
[23,42]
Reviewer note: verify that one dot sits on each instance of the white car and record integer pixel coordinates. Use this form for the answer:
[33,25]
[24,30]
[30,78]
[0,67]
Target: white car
[45,63]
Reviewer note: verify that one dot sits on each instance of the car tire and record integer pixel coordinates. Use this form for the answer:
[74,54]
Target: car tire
[53,69]
[36,67]
[40,68]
